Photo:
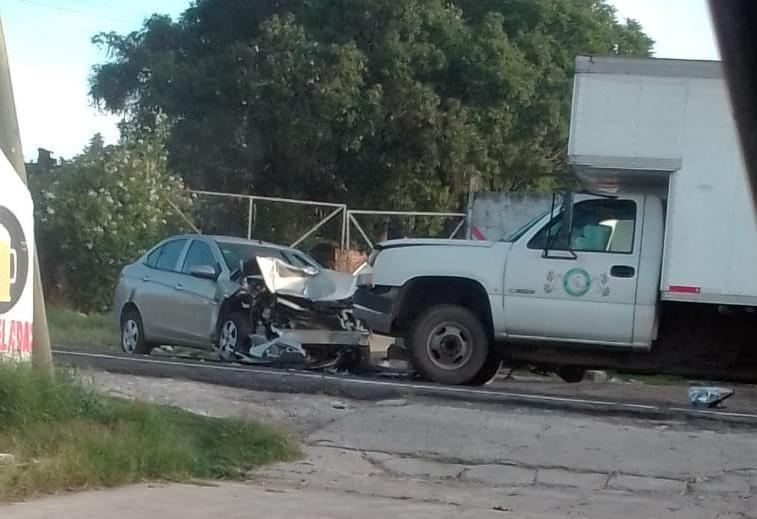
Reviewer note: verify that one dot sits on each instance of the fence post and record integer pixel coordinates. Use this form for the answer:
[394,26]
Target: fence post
[347,243]
[469,208]
[249,218]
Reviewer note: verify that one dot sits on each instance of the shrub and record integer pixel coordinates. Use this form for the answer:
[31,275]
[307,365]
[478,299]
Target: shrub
[100,210]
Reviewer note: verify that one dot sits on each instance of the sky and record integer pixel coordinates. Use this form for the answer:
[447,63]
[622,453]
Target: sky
[51,56]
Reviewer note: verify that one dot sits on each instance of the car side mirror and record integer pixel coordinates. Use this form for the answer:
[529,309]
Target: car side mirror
[204,272]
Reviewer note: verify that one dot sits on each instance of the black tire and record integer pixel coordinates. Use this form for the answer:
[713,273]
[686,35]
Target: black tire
[490,369]
[133,339]
[240,322]
[571,374]
[448,344]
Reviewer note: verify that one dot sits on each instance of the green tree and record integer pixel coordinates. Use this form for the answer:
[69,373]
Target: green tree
[391,103]
[100,210]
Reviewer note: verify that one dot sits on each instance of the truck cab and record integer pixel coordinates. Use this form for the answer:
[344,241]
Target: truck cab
[587,273]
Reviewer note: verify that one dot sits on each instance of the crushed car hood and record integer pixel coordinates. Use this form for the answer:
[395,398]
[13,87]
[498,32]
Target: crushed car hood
[307,283]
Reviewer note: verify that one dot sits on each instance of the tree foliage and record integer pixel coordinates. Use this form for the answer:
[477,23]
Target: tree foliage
[101,209]
[390,103]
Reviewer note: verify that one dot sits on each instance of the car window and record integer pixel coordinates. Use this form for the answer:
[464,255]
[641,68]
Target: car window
[199,254]
[169,255]
[598,226]
[152,258]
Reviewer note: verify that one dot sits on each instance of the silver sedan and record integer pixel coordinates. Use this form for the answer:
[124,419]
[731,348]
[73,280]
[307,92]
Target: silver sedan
[173,294]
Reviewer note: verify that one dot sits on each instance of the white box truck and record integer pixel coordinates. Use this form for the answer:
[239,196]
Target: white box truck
[648,265]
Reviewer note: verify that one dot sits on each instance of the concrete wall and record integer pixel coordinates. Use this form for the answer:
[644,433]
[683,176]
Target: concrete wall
[497,215]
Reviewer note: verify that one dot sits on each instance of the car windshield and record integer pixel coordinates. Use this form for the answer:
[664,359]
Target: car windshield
[234,253]
[299,259]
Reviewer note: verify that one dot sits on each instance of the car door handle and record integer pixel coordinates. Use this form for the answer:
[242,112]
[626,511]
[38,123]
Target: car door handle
[145,278]
[622,271]
[179,287]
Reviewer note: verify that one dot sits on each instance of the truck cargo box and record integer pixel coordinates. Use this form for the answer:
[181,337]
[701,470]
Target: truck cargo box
[667,126]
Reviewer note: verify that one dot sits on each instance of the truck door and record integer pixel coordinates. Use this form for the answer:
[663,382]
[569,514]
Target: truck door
[581,288]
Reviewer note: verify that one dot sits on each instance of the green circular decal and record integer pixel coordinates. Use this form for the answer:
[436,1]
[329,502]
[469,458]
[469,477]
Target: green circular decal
[576,282]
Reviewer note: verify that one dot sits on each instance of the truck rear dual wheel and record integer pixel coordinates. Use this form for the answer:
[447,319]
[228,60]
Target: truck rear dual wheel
[448,344]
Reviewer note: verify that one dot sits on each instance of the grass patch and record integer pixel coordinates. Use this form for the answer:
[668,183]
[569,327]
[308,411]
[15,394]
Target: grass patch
[65,436]
[71,328]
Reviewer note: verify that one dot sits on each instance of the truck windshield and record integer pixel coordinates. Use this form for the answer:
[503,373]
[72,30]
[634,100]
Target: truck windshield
[515,236]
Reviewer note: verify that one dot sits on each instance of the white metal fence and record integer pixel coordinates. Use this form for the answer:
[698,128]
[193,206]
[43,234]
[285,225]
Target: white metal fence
[352,213]
[231,207]
[253,201]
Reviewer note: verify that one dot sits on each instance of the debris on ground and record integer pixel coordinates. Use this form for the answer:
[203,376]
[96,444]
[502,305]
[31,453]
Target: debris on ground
[709,396]
[394,365]
[336,404]
[7,459]
[396,352]
[505,374]
[281,350]
[595,375]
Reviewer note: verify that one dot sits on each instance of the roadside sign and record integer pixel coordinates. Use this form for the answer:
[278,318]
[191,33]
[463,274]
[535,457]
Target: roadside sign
[16,255]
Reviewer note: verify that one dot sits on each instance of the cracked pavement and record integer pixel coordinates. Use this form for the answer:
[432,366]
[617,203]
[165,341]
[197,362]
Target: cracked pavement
[427,458]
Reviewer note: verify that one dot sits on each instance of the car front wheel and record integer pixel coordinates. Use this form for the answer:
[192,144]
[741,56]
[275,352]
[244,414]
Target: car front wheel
[233,335]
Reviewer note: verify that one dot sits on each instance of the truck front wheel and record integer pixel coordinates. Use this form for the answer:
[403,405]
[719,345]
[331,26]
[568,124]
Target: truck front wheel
[448,344]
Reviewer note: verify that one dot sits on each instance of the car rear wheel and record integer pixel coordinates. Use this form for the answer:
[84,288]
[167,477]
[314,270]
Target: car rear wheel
[448,344]
[133,340]
[233,335]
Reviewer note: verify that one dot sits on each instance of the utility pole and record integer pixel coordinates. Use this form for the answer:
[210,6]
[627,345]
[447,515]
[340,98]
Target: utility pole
[10,143]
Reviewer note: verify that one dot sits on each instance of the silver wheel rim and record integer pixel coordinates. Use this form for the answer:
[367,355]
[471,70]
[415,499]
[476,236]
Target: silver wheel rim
[449,346]
[130,336]
[227,342]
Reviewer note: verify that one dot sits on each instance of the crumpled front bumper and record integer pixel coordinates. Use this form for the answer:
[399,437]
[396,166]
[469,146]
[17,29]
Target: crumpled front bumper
[377,307]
